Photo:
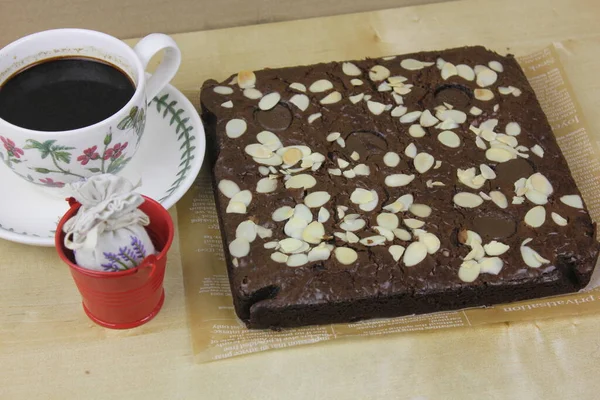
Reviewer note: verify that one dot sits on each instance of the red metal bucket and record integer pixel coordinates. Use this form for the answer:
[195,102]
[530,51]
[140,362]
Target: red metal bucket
[124,299]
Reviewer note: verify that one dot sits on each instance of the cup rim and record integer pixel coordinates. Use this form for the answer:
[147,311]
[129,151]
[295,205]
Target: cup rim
[60,247]
[139,85]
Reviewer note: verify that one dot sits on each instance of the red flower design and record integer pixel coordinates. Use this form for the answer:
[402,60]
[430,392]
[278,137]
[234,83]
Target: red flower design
[50,182]
[13,150]
[115,152]
[88,155]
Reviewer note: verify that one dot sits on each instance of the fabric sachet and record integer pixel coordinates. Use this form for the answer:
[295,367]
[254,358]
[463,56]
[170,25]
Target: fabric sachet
[107,233]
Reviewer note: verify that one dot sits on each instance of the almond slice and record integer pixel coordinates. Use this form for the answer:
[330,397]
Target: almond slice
[559,220]
[416,131]
[227,104]
[512,129]
[414,254]
[356,82]
[476,111]
[495,248]
[448,70]
[379,73]
[486,77]
[223,90]
[539,183]
[371,205]
[297,260]
[256,150]
[345,256]
[301,181]
[469,271]
[402,234]
[499,199]
[313,233]
[398,111]
[282,214]
[320,86]
[351,69]
[294,227]
[269,101]
[298,86]
[331,98]
[410,151]
[487,172]
[245,196]
[410,117]
[323,215]
[316,199]
[427,119]
[455,115]
[239,247]
[420,210]
[491,265]
[246,230]
[411,64]
[531,257]
[319,253]
[388,220]
[572,200]
[246,79]
[396,251]
[538,151]
[397,180]
[423,162]
[252,94]
[279,257]
[375,107]
[333,136]
[235,128]
[313,117]
[236,207]
[301,101]
[496,66]
[467,200]
[266,185]
[498,155]
[449,139]
[536,217]
[465,72]
[391,159]
[228,188]
[376,240]
[269,139]
[483,94]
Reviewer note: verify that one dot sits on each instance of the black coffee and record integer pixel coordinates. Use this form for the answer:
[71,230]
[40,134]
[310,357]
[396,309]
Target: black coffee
[64,93]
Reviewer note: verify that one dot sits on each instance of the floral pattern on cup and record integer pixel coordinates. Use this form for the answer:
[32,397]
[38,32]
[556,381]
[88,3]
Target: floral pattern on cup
[107,157]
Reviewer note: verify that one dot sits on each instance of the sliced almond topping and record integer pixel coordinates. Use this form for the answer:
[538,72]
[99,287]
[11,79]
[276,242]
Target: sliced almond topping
[263,232]
[353,225]
[427,119]
[361,196]
[498,155]
[298,86]
[269,139]
[333,136]
[375,107]
[291,156]
[342,163]
[341,211]
[227,104]
[391,159]
[301,101]
[509,140]
[414,254]
[269,101]
[410,151]
[483,94]
[475,111]
[499,199]
[245,196]
[538,151]
[455,115]
[518,200]
[246,79]
[263,170]
[513,129]
[388,221]
[351,69]
[362,170]
[416,131]
[496,66]
[316,199]
[467,200]
[539,183]
[396,251]
[397,98]
[439,63]
[423,162]
[320,86]
[536,217]
[449,139]
[376,240]
[349,174]
[449,70]
[258,151]
[319,253]
[313,233]
[236,207]
[294,227]
[356,82]
[491,265]
[413,223]
[495,248]
[387,233]
[334,171]
[301,181]
[397,180]
[356,98]
[412,65]
[486,77]
[345,256]
[399,111]
[467,176]
[506,90]
[531,257]
[488,135]
[469,271]
[297,260]
[331,98]
[228,188]
[235,128]
[379,73]
[410,117]
[430,241]
[246,230]
[271,245]
[282,213]
[420,210]
[223,90]
[279,257]
[384,87]
[266,185]
[402,234]
[240,247]
[487,172]
[465,72]
[323,215]
[572,200]
[252,93]
[558,220]
[371,205]
[480,143]
[313,117]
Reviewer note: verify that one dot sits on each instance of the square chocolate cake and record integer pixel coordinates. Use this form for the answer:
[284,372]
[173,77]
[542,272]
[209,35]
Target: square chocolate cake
[392,186]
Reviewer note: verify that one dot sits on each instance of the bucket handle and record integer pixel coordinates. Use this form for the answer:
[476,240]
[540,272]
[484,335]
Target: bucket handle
[150,262]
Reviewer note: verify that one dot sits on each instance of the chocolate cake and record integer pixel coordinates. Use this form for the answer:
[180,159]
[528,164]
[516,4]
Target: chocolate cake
[392,186]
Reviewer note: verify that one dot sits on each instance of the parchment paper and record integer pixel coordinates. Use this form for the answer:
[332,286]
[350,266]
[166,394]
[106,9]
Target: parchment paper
[217,333]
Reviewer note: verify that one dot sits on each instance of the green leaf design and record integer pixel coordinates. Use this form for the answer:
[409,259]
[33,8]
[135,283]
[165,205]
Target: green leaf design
[117,165]
[133,111]
[42,170]
[94,170]
[63,156]
[108,139]
[126,123]
[16,160]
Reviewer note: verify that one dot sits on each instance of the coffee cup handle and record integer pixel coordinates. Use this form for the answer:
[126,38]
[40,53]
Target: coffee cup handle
[146,49]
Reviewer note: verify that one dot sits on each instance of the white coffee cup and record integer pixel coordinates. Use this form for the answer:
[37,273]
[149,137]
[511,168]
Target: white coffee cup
[53,159]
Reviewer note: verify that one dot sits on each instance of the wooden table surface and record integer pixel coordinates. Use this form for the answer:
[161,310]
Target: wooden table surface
[49,350]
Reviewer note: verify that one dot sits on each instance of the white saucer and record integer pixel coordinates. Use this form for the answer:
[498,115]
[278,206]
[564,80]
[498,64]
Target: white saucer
[167,162]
